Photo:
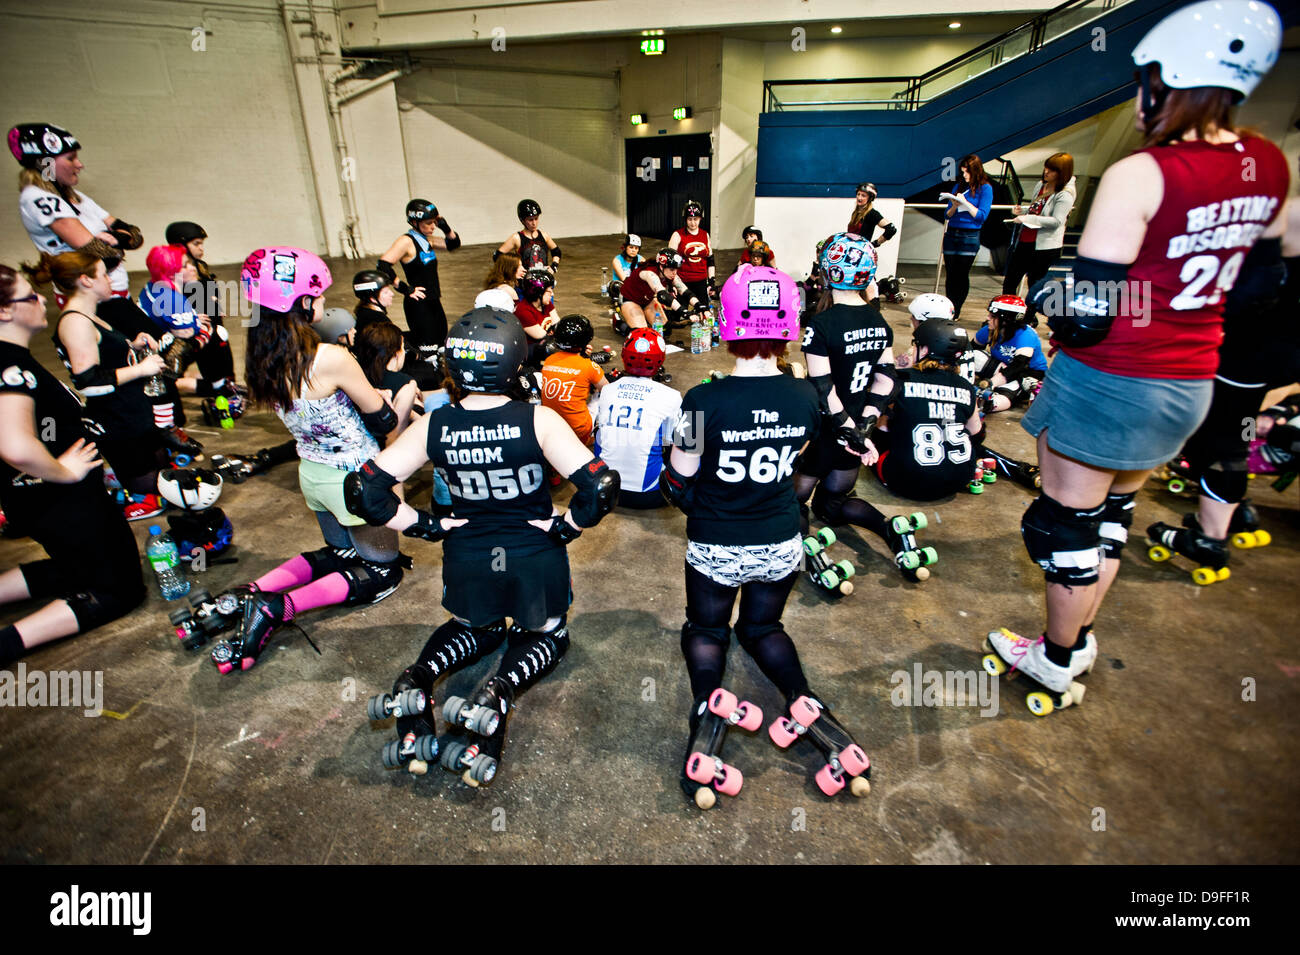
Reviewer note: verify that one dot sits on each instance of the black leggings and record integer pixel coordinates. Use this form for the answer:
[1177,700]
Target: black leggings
[957,284]
[1026,260]
[706,640]
[427,321]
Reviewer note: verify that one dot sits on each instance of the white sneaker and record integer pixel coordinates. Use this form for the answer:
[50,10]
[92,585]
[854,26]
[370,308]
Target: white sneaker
[1030,657]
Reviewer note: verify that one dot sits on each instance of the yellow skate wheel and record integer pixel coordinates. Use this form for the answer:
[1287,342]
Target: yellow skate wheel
[1244,540]
[1205,576]
[1159,552]
[1040,704]
[1224,573]
[994,664]
[1263,538]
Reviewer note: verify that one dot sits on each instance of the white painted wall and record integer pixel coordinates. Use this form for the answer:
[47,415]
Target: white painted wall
[793,227]
[736,154]
[372,131]
[167,132]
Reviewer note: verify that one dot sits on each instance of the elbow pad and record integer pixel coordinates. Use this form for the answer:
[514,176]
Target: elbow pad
[453,243]
[496,255]
[95,381]
[891,230]
[1260,279]
[823,385]
[555,257]
[597,494]
[1017,367]
[368,494]
[664,297]
[1081,308]
[387,269]
[677,489]
[380,422]
[709,260]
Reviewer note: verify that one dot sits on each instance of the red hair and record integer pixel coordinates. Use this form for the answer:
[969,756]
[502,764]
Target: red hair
[163,262]
[758,348]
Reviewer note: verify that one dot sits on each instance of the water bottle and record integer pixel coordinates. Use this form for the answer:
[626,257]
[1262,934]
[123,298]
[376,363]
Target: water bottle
[695,336]
[162,554]
[659,325]
[154,387]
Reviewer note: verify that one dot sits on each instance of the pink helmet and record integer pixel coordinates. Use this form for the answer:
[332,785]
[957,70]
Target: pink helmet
[278,276]
[759,301]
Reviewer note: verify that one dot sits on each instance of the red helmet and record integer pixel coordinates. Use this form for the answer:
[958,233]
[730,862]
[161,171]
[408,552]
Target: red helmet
[644,352]
[1008,309]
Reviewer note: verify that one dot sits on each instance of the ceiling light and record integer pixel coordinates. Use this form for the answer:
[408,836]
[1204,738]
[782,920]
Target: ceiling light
[954,25]
[837,29]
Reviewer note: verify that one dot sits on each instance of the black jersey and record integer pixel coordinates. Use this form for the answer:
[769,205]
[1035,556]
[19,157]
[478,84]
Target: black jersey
[853,338]
[748,432]
[867,228]
[533,252]
[126,411]
[495,470]
[59,420]
[422,270]
[927,430]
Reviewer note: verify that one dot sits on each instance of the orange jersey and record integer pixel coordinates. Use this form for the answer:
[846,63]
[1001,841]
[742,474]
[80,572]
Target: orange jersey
[567,383]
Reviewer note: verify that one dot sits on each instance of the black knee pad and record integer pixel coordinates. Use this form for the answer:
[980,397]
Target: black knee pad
[1226,480]
[691,632]
[750,635]
[329,560]
[370,581]
[1116,518]
[1064,541]
[829,507]
[94,608]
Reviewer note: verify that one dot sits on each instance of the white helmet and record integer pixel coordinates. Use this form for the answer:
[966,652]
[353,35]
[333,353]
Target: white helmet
[1225,43]
[194,489]
[930,305]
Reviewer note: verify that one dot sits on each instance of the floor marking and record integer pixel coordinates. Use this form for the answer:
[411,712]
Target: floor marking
[121,716]
[194,742]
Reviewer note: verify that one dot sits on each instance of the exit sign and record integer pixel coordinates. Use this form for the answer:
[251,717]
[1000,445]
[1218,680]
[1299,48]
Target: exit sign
[653,46]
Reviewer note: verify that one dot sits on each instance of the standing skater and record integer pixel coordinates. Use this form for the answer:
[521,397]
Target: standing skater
[1134,375]
[417,250]
[322,396]
[692,243]
[866,219]
[536,249]
[503,552]
[730,472]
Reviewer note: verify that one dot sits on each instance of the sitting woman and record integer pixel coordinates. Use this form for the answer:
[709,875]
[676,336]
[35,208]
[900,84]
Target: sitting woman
[1014,367]
[499,285]
[624,264]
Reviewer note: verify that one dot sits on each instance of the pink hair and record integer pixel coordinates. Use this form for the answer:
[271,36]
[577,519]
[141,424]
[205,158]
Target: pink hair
[163,262]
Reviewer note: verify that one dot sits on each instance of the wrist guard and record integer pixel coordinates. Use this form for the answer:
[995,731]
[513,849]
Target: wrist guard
[856,437]
[677,488]
[427,527]
[562,532]
[128,236]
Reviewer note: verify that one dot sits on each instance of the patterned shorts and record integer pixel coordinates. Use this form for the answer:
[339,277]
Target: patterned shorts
[745,564]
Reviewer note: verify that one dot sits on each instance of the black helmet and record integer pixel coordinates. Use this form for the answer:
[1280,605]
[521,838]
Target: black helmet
[869,188]
[485,350]
[32,142]
[753,230]
[944,341]
[667,258]
[692,208]
[573,333]
[183,233]
[420,210]
[528,208]
[368,283]
[535,283]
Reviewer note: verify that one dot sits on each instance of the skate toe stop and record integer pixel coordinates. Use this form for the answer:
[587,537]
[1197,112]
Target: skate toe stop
[860,786]
[705,798]
[417,767]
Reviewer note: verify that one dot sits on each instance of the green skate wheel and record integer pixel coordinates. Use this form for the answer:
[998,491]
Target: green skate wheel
[989,477]
[919,521]
[975,487]
[909,560]
[900,525]
[828,579]
[826,536]
[1177,486]
[812,547]
[846,569]
[931,555]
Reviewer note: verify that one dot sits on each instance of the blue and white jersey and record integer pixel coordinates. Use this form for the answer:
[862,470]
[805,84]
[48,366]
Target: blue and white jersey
[634,420]
[170,310]
[1024,338]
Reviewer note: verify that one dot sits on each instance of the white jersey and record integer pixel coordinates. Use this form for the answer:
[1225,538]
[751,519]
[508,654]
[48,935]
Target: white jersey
[634,420]
[498,297]
[39,210]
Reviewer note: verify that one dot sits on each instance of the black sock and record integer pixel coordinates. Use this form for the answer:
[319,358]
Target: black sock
[1056,653]
[11,646]
[1082,639]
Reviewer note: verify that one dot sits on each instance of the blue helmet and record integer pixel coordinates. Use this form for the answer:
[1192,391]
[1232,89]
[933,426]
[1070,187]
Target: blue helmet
[848,261]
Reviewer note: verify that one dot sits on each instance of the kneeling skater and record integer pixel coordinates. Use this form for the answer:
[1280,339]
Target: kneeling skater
[730,471]
[503,551]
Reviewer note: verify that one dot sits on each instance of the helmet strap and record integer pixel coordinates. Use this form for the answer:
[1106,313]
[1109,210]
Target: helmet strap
[1152,102]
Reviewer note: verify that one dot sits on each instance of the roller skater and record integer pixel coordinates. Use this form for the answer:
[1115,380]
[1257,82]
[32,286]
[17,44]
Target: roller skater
[1133,375]
[1012,370]
[504,548]
[534,247]
[730,472]
[417,250]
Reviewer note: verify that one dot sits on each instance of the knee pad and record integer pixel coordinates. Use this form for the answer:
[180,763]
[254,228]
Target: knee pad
[1116,518]
[96,608]
[750,635]
[328,560]
[692,632]
[370,581]
[829,507]
[1226,480]
[1064,541]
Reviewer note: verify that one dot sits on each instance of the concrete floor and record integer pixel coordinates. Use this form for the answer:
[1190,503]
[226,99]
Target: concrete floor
[1164,763]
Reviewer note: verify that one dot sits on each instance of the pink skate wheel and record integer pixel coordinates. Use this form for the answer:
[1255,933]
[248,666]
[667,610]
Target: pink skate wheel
[699,768]
[730,782]
[781,732]
[827,782]
[722,702]
[224,667]
[751,717]
[854,760]
[805,711]
[247,663]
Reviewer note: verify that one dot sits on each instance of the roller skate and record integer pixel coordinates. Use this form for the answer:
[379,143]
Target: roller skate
[411,702]
[1051,687]
[477,760]
[846,763]
[212,616]
[260,616]
[704,771]
[1210,555]
[138,507]
[832,576]
[1244,527]
[912,559]
[986,472]
[602,357]
[179,444]
[1025,474]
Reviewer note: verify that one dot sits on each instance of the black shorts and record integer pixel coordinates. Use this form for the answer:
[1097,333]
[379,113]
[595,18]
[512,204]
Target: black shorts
[133,456]
[902,476]
[483,582]
[824,454]
[641,500]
